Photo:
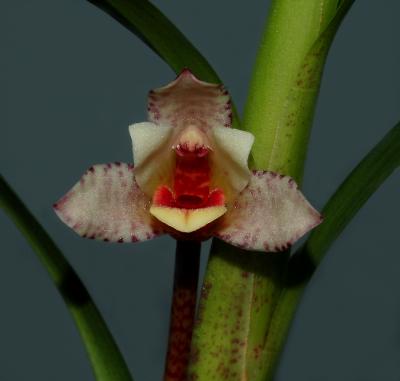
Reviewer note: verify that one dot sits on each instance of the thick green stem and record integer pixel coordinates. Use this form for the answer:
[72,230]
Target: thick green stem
[280,110]
[281,98]
[279,113]
[236,302]
[105,357]
[183,309]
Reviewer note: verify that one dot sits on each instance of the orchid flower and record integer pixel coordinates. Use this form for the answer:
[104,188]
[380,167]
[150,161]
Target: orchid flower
[190,180]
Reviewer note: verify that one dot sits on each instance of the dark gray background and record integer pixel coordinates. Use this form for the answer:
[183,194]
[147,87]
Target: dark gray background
[73,79]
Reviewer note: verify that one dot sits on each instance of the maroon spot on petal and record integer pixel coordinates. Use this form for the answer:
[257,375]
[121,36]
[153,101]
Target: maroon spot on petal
[91,169]
[106,240]
[121,240]
[134,238]
[109,165]
[93,236]
[117,163]
[67,218]
[84,235]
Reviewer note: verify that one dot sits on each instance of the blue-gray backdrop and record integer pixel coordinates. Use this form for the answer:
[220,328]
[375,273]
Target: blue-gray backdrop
[72,79]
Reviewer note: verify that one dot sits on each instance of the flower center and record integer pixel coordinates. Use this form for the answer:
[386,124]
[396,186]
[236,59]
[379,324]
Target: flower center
[190,204]
[191,189]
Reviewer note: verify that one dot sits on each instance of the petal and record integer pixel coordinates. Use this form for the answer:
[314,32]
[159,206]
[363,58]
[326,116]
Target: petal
[153,155]
[269,215]
[231,149]
[189,101]
[106,204]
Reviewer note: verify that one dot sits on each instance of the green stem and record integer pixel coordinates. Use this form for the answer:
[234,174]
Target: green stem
[279,113]
[237,299]
[105,357]
[280,110]
[183,309]
[281,99]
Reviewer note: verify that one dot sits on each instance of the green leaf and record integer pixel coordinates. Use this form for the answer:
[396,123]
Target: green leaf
[352,194]
[162,36]
[105,357]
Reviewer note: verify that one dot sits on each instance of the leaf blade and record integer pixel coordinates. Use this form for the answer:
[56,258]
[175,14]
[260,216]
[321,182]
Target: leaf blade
[160,34]
[351,195]
[106,360]
[354,192]
[150,25]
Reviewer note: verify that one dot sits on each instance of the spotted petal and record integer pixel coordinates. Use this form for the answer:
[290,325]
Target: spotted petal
[270,214]
[107,204]
[189,101]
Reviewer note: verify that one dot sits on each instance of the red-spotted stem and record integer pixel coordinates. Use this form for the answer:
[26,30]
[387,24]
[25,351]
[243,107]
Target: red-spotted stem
[183,309]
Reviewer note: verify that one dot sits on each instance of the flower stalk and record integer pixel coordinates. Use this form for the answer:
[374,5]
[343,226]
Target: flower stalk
[183,309]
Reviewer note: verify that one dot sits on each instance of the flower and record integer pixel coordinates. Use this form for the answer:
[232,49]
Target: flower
[190,180]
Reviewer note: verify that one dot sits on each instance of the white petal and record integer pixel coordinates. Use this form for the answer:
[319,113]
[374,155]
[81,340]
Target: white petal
[106,204]
[231,149]
[153,155]
[270,214]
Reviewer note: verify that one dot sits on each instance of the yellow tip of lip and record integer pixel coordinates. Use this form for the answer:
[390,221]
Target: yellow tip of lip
[187,220]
